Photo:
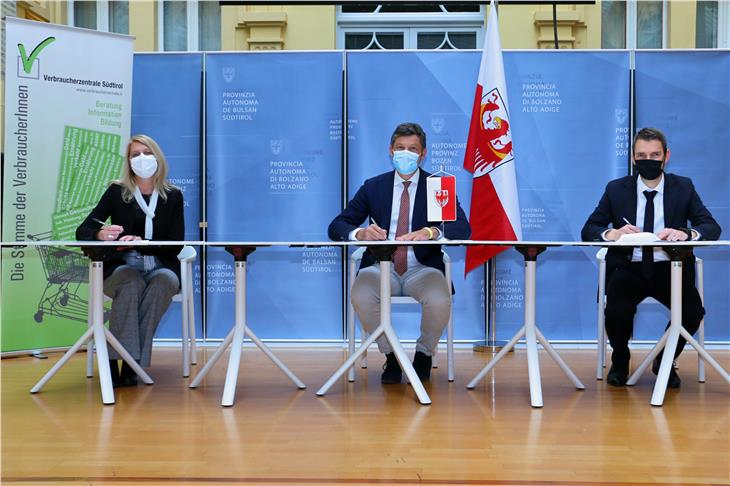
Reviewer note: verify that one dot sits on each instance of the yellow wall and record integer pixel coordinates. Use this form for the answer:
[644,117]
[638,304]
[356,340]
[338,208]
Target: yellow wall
[278,27]
[143,24]
[314,27]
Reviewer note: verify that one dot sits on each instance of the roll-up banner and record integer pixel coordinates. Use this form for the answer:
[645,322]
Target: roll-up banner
[570,129]
[167,105]
[686,94]
[274,165]
[435,90]
[66,123]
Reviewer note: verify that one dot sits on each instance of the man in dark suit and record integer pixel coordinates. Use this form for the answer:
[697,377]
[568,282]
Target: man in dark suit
[655,202]
[394,203]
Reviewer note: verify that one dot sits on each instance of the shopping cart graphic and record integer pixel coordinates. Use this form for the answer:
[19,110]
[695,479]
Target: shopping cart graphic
[66,269]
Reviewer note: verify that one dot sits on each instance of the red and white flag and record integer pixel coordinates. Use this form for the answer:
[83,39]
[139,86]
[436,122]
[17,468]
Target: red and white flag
[441,198]
[495,208]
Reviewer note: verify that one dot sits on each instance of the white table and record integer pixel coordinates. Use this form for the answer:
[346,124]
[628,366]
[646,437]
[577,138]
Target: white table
[97,334]
[677,251]
[383,250]
[234,339]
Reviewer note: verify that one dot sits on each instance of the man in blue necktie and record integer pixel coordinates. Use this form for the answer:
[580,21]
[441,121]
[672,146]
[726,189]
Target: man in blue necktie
[394,205]
[656,202]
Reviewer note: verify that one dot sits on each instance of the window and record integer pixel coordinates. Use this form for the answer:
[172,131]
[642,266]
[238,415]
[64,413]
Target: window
[613,24]
[104,15]
[84,14]
[649,25]
[189,26]
[633,24]
[706,33]
[410,26]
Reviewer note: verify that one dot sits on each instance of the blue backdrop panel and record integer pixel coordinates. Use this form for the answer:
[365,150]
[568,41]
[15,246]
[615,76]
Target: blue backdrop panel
[173,118]
[687,95]
[436,90]
[275,174]
[569,114]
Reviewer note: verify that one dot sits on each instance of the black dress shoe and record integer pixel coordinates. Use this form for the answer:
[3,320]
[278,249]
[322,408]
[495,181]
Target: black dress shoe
[392,372]
[674,380]
[422,365]
[618,374]
[114,371]
[127,377]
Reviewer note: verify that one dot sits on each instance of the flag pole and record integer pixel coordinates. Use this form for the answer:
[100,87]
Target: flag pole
[491,344]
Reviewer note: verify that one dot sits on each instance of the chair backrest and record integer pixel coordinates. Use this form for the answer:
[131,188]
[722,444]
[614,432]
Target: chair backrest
[187,254]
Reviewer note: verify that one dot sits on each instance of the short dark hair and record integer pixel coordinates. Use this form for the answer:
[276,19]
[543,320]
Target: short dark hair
[648,134]
[407,129]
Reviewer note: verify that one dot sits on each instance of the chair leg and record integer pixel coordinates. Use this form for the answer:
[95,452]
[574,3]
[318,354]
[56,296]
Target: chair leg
[191,317]
[185,327]
[364,359]
[601,319]
[450,348]
[90,344]
[700,276]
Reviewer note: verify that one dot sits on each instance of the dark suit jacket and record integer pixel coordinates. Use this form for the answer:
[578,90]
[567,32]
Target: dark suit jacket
[375,199]
[168,225]
[681,204]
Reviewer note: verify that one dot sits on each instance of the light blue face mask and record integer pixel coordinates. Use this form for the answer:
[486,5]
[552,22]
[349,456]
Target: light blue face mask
[405,162]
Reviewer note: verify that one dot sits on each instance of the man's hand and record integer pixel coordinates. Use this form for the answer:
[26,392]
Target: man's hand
[371,233]
[109,232]
[615,234]
[420,235]
[670,234]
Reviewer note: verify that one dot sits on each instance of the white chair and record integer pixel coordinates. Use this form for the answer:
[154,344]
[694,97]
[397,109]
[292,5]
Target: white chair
[354,264]
[603,342]
[190,353]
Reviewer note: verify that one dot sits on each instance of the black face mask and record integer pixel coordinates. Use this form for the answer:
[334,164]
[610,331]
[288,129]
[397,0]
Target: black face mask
[649,169]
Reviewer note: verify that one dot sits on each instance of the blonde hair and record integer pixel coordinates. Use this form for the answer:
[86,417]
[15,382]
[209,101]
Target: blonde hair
[128,178]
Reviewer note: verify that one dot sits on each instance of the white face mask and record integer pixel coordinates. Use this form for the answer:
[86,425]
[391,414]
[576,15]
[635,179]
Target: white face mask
[144,166]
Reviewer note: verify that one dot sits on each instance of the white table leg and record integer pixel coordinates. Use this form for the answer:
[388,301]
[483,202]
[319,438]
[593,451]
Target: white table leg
[660,386]
[86,337]
[532,336]
[127,357]
[559,361]
[493,362]
[239,331]
[533,361]
[648,360]
[96,282]
[385,328]
[213,360]
[263,347]
[350,361]
[704,355]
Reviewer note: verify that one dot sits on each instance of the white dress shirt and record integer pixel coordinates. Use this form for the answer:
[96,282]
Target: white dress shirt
[395,208]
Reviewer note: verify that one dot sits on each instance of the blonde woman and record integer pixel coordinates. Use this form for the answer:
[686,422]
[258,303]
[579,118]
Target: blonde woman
[140,280]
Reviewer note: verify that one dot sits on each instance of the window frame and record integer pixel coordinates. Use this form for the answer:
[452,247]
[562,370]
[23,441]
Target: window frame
[632,25]
[410,24]
[723,25]
[192,20]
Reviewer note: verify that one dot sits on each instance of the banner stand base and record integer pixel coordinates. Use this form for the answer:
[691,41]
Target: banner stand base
[489,346]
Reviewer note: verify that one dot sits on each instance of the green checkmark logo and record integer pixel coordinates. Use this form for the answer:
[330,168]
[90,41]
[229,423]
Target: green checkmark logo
[29,60]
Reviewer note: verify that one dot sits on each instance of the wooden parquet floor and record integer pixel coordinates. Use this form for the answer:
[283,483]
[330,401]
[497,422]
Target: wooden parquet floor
[362,432]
